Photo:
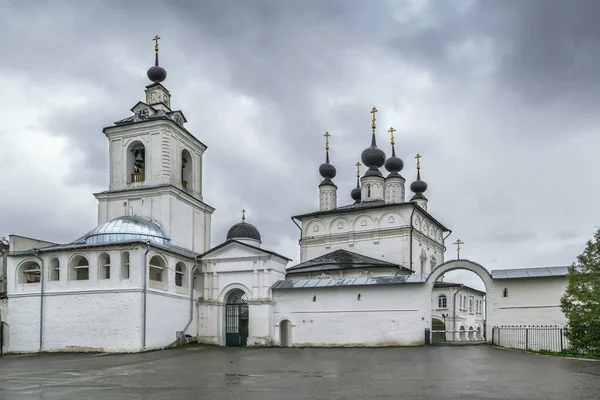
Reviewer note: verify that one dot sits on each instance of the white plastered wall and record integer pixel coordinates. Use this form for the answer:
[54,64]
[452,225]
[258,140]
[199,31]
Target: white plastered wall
[385,315]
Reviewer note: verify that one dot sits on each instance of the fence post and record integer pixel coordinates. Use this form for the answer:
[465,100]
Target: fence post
[561,340]
[427,336]
[526,338]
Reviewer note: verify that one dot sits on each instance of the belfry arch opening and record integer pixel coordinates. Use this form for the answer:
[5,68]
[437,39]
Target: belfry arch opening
[459,302]
[186,169]
[136,162]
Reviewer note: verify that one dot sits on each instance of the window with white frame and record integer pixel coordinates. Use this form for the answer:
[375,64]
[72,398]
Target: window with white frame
[157,273]
[125,265]
[470,306]
[104,266]
[30,272]
[79,269]
[180,275]
[54,269]
[442,301]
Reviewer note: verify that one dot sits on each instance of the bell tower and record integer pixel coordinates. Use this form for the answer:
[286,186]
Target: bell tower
[156,168]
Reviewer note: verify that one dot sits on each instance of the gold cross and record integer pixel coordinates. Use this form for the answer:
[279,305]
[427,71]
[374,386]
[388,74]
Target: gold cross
[391,131]
[373,125]
[327,140]
[243,215]
[156,43]
[358,164]
[418,157]
[458,243]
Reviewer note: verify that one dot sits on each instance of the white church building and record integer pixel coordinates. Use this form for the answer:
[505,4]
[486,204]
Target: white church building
[370,272]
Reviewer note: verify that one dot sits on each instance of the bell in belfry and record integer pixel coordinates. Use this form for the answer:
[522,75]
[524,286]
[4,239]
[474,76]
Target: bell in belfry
[138,165]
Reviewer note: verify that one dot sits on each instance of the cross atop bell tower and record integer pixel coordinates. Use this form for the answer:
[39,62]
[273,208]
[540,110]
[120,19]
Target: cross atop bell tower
[157,95]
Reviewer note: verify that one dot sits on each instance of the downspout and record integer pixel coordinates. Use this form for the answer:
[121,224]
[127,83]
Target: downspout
[446,237]
[411,235]
[35,254]
[192,285]
[144,294]
[299,240]
[454,309]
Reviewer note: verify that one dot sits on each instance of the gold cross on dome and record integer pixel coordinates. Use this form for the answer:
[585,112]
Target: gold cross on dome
[327,140]
[243,215]
[458,243]
[156,38]
[391,131]
[358,164]
[373,125]
[418,157]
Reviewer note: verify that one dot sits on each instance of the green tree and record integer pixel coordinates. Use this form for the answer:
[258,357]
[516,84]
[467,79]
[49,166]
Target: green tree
[581,301]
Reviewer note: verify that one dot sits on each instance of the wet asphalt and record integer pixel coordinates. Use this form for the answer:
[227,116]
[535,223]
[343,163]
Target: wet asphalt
[477,372]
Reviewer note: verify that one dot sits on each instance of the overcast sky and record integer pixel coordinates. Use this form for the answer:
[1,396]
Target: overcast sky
[499,97]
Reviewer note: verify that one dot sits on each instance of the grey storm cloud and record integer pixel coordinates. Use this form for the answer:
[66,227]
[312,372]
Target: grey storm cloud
[497,95]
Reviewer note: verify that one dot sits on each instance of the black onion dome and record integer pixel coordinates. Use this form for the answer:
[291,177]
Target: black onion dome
[355,194]
[394,164]
[373,156]
[243,230]
[157,73]
[418,186]
[327,170]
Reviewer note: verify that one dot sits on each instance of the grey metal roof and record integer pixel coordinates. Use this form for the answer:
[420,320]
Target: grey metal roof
[81,245]
[128,228]
[338,260]
[365,281]
[539,272]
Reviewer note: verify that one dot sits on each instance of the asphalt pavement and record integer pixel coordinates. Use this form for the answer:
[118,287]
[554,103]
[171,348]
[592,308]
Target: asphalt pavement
[477,372]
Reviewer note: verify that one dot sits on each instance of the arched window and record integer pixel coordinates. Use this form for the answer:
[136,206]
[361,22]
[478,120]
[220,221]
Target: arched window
[237,296]
[104,266]
[157,270]
[80,269]
[125,265]
[368,190]
[29,272]
[54,269]
[180,275]
[186,169]
[442,301]
[136,163]
[505,292]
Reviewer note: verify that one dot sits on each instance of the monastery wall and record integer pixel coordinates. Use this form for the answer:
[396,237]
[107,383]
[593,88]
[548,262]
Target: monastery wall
[385,315]
[530,301]
[166,315]
[76,322]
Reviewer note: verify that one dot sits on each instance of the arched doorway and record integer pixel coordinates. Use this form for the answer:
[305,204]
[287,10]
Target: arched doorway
[236,318]
[285,333]
[468,307]
[438,325]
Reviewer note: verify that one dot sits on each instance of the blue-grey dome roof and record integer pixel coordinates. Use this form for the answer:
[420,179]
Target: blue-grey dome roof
[243,230]
[128,228]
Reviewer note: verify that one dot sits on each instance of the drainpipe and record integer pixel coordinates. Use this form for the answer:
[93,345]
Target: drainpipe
[193,280]
[446,237]
[412,228]
[35,254]
[454,309]
[299,240]
[144,294]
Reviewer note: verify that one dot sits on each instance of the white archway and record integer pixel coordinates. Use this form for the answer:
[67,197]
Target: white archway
[478,270]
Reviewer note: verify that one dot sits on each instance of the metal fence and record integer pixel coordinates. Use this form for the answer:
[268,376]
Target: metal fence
[531,337]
